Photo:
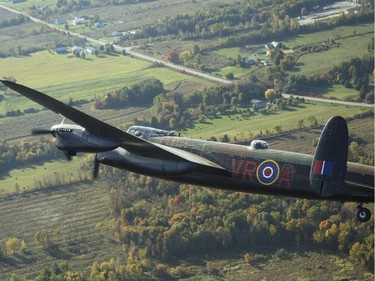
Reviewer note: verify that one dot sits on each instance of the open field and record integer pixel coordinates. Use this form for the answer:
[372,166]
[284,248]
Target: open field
[335,33]
[235,124]
[353,42]
[73,210]
[28,177]
[65,76]
[125,17]
[321,62]
[360,130]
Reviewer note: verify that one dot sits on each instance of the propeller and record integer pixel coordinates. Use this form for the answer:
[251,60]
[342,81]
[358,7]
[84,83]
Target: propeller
[95,171]
[35,132]
[41,132]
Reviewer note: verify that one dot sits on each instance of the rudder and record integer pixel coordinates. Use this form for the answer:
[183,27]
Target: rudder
[328,168]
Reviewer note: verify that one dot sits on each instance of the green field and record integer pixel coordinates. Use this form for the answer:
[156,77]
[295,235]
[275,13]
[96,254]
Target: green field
[349,46]
[235,124]
[335,33]
[28,176]
[65,76]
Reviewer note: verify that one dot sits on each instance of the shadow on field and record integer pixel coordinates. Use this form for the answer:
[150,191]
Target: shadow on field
[56,252]
[16,259]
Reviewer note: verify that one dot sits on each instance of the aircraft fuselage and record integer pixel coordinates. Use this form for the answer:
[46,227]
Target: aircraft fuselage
[262,171]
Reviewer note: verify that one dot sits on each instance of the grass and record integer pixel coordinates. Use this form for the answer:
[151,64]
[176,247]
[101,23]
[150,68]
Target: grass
[65,76]
[349,47]
[74,211]
[335,33]
[339,92]
[235,124]
[27,176]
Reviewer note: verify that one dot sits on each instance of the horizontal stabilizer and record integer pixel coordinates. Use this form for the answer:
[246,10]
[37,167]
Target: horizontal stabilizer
[328,168]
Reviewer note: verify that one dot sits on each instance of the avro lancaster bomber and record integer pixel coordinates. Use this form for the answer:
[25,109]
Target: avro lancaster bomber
[326,175]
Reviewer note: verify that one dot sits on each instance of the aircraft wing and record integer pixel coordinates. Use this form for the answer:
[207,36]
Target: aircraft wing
[130,142]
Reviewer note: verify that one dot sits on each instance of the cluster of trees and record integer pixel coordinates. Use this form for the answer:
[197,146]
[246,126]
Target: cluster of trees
[141,93]
[14,155]
[356,73]
[20,19]
[175,110]
[11,246]
[67,6]
[189,57]
[57,271]
[241,16]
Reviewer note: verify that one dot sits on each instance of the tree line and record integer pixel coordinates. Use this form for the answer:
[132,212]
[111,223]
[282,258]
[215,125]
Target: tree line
[141,93]
[355,73]
[26,152]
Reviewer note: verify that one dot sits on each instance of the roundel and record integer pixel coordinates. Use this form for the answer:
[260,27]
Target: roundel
[267,172]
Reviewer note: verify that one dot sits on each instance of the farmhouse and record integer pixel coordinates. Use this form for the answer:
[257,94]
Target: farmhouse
[78,21]
[91,50]
[247,61]
[62,50]
[76,49]
[59,21]
[258,103]
[116,33]
[273,45]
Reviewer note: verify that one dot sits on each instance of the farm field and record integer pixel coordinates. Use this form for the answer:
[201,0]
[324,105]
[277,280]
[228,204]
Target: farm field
[69,215]
[124,17]
[353,42]
[65,76]
[28,177]
[235,124]
[321,62]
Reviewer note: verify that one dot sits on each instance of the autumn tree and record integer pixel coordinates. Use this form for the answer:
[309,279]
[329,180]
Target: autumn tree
[270,94]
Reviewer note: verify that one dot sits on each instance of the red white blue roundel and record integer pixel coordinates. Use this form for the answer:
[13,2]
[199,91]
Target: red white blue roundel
[268,172]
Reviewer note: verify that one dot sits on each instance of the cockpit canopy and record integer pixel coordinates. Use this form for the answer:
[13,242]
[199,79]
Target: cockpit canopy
[259,144]
[149,132]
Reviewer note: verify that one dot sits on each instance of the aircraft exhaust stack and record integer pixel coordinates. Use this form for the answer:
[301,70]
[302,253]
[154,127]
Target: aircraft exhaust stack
[329,165]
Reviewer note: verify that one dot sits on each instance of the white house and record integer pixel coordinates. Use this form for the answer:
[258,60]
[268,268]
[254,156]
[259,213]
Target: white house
[78,21]
[91,50]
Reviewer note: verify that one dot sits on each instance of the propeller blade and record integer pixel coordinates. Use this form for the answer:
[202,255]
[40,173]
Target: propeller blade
[40,132]
[96,167]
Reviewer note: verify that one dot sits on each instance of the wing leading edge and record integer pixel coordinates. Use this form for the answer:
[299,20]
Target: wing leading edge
[129,142]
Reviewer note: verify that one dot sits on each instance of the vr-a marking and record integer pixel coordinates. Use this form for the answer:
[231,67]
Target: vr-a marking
[266,173]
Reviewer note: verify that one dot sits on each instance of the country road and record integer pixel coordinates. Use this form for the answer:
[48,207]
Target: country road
[129,50]
[179,68]
[349,103]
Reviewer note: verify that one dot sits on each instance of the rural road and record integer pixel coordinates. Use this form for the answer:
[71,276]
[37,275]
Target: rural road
[179,68]
[129,50]
[349,103]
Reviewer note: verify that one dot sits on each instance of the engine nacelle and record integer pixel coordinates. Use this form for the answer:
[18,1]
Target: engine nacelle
[121,158]
[74,138]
